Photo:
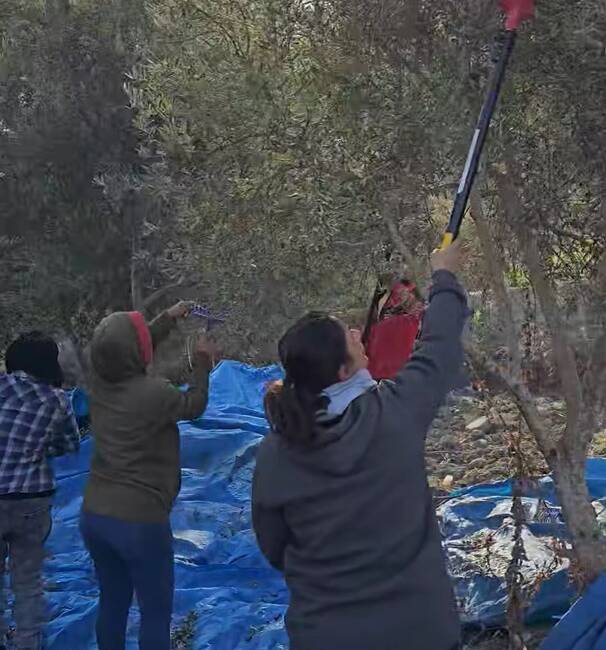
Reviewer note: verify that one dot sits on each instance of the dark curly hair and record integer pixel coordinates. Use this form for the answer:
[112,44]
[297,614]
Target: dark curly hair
[36,354]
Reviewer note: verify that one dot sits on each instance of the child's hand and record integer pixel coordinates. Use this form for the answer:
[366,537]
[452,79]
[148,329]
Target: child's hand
[181,309]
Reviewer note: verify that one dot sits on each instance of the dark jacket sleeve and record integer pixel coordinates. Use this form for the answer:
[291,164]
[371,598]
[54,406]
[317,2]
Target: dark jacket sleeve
[425,380]
[270,529]
[190,404]
[161,327]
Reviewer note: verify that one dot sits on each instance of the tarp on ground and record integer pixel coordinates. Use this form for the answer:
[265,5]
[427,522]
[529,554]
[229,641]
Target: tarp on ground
[220,574]
[584,626]
[479,530]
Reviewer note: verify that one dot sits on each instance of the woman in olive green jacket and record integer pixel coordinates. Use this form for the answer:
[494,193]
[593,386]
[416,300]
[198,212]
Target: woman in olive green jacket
[135,473]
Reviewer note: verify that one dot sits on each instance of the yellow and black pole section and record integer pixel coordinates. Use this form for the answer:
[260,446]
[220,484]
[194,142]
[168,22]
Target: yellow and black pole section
[516,11]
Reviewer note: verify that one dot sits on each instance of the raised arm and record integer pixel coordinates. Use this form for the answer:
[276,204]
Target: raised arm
[190,404]
[163,324]
[425,380]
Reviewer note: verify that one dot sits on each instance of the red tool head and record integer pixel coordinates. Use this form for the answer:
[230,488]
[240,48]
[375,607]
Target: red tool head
[517,11]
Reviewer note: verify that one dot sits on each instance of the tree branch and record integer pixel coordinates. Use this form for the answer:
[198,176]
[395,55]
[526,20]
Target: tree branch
[495,269]
[596,375]
[149,303]
[564,356]
[520,393]
[601,275]
[415,269]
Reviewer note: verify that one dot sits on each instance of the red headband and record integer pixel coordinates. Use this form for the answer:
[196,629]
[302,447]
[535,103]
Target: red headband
[144,339]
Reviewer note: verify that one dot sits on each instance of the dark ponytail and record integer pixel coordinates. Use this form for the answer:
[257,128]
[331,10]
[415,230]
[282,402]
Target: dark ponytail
[291,412]
[311,352]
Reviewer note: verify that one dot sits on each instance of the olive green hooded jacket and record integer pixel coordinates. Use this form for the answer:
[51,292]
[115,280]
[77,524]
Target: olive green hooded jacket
[135,471]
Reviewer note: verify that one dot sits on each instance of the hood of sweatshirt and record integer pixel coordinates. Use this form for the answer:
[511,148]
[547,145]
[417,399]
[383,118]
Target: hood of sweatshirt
[121,347]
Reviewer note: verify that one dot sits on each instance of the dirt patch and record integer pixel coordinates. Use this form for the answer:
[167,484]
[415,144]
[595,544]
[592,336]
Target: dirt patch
[469,442]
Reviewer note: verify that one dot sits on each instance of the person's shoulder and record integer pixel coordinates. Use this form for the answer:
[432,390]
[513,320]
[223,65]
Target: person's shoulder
[39,394]
[33,386]
[396,389]
[383,385]
[62,397]
[384,397]
[373,408]
[56,398]
[371,399]
[269,442]
[271,447]
[6,385]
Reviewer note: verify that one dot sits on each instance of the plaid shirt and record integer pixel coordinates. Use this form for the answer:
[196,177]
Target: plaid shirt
[36,421]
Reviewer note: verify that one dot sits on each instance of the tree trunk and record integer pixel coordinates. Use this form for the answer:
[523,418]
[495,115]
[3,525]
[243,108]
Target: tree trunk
[136,296]
[495,269]
[566,456]
[589,546]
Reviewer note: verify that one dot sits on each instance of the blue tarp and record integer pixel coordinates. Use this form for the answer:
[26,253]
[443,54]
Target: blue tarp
[478,529]
[584,626]
[221,575]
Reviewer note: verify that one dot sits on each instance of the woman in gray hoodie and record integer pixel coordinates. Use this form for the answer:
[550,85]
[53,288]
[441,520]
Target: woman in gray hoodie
[341,503]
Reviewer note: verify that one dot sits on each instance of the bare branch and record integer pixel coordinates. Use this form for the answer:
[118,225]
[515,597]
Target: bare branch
[154,298]
[562,232]
[415,269]
[564,356]
[520,393]
[595,382]
[601,275]
[350,244]
[495,268]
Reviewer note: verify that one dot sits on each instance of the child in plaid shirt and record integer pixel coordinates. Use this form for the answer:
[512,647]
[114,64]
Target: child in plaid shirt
[36,422]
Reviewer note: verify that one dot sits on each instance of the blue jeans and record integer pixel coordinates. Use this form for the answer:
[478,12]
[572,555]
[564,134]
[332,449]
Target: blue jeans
[131,558]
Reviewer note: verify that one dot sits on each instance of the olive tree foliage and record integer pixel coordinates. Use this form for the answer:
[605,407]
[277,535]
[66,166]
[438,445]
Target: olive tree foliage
[73,206]
[291,148]
[240,105]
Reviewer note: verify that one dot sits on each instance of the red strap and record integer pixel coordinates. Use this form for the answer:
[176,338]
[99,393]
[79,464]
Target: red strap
[144,339]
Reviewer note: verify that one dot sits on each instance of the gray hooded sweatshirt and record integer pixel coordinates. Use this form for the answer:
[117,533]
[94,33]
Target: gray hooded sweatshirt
[350,521]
